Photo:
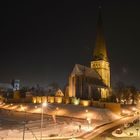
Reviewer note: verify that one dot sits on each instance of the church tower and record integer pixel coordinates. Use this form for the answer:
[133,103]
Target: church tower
[100,59]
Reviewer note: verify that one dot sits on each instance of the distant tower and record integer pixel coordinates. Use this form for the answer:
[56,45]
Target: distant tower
[100,59]
[16,84]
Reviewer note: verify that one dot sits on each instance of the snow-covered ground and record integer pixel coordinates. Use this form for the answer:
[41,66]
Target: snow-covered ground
[57,131]
[61,121]
[67,110]
[133,131]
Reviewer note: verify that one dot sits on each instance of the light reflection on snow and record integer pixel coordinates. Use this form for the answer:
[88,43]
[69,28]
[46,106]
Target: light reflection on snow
[58,126]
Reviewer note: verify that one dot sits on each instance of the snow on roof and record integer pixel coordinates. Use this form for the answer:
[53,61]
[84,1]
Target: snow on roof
[83,70]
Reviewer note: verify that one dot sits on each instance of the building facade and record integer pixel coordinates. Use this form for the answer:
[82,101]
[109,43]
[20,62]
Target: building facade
[92,82]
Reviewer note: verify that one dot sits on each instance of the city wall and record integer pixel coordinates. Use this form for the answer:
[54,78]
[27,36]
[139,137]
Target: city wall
[114,107]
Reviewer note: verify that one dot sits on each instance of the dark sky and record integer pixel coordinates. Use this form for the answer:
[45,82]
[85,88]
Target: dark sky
[41,41]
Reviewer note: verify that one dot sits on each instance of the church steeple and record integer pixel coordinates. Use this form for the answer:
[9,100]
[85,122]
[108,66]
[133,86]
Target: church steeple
[100,52]
[100,60]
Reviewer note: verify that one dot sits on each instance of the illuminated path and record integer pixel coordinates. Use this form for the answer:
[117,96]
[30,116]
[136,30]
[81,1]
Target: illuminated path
[100,130]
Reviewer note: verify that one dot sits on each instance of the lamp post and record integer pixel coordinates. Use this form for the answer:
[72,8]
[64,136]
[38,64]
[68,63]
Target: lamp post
[57,111]
[57,108]
[43,105]
[89,122]
[24,122]
[86,113]
[87,117]
[137,131]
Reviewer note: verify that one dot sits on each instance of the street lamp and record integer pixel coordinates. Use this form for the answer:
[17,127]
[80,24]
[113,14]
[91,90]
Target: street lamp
[89,122]
[24,122]
[42,106]
[57,108]
[137,131]
[36,107]
[86,113]
[134,109]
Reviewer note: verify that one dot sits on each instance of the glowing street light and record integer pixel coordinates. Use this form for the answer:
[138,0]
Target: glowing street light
[123,112]
[36,106]
[134,109]
[42,106]
[24,122]
[89,122]
[86,113]
[57,108]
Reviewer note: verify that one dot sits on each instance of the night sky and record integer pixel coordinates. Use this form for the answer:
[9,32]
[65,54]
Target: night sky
[40,42]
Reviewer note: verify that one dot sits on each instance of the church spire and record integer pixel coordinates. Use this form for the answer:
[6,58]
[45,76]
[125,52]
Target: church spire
[100,61]
[100,52]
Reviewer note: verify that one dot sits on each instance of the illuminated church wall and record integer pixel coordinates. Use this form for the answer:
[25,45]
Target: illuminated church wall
[103,68]
[83,87]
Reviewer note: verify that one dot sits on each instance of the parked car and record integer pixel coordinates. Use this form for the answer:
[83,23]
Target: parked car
[118,131]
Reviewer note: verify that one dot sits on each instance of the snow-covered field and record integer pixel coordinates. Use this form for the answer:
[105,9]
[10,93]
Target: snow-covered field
[60,123]
[67,110]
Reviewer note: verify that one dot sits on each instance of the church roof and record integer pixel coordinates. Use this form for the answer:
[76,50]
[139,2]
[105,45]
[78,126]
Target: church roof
[88,72]
[83,70]
[100,52]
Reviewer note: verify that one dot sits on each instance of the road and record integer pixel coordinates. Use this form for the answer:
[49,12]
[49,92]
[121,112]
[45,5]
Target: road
[98,133]
[107,135]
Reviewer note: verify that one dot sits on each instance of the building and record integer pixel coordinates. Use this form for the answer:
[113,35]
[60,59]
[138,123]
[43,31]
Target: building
[13,86]
[6,87]
[16,84]
[92,82]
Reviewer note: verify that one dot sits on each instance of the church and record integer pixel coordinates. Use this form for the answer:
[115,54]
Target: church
[92,82]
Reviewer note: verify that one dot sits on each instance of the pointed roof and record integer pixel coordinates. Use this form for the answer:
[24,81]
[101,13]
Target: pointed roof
[100,52]
[59,93]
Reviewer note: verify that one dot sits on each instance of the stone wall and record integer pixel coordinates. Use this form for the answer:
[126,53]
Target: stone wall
[114,107]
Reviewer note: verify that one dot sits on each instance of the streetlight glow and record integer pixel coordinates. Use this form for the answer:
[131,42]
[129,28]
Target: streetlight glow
[36,106]
[57,108]
[24,122]
[44,104]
